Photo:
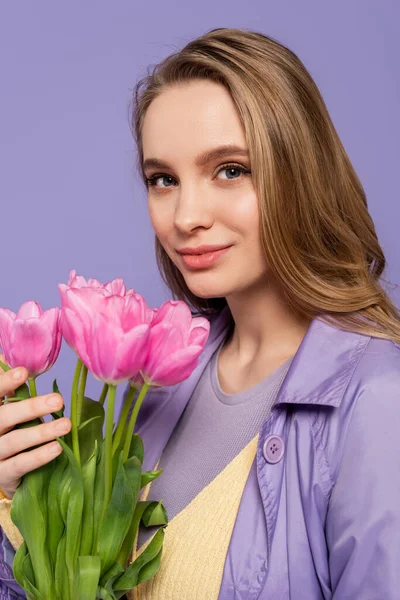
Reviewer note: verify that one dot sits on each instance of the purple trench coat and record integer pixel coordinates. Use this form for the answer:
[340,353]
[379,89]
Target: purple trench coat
[320,513]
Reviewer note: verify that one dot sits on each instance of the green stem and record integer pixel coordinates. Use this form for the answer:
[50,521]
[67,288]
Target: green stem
[123,418]
[103,395]
[74,415]
[81,393]
[132,420]
[108,449]
[32,387]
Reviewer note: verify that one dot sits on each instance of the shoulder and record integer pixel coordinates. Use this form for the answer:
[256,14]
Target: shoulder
[379,366]
[368,416]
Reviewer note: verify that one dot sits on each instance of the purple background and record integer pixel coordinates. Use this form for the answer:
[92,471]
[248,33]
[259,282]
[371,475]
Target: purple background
[70,195]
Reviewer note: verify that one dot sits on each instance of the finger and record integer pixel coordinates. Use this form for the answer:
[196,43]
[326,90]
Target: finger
[17,466]
[18,440]
[11,380]
[26,410]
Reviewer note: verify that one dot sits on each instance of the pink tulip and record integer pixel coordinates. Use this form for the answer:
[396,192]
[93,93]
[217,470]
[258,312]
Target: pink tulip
[84,302]
[176,340]
[108,332]
[115,287]
[31,338]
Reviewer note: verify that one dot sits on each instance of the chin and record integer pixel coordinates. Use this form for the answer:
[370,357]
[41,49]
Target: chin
[208,289]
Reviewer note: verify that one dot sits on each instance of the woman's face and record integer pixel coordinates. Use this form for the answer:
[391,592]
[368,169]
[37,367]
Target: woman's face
[212,202]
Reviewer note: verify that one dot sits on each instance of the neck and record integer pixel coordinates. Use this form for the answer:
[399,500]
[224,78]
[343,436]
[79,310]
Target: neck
[265,326]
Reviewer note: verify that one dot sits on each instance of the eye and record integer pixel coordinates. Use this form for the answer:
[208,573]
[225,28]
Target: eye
[234,167]
[151,181]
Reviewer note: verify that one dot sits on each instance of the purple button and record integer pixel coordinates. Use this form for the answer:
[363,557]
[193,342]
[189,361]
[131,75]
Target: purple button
[273,449]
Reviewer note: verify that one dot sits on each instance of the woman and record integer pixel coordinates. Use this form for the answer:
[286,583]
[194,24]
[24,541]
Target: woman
[280,452]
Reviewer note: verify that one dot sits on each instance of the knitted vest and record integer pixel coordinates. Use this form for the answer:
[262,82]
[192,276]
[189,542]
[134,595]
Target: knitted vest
[197,539]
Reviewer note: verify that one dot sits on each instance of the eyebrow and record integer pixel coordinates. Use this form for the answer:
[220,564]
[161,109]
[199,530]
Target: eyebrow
[203,159]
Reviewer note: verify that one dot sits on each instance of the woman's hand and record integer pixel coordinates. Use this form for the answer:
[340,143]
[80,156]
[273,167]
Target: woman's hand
[14,463]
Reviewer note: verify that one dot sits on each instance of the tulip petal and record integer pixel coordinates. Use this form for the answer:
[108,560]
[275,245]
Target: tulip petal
[177,367]
[29,310]
[7,318]
[102,347]
[134,312]
[49,318]
[72,276]
[30,346]
[93,283]
[132,352]
[199,331]
[116,287]
[164,340]
[52,319]
[84,302]
[75,335]
[112,307]
[177,313]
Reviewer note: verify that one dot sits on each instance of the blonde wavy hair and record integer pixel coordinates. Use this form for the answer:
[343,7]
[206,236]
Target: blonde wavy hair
[318,237]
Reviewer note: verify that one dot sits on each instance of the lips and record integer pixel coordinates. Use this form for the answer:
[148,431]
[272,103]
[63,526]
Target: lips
[205,249]
[204,260]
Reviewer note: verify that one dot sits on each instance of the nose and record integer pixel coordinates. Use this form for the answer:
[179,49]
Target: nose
[194,209]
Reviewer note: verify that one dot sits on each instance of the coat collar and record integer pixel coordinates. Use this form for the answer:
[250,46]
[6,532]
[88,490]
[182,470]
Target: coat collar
[322,366]
[318,374]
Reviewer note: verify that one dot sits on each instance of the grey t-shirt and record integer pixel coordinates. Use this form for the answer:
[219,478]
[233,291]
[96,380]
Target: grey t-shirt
[213,429]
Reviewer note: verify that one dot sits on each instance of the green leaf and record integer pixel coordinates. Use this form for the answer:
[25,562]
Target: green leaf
[150,569]
[88,476]
[98,492]
[89,574]
[58,413]
[102,594]
[130,537]
[148,476]
[91,427]
[136,447]
[4,367]
[22,392]
[32,593]
[132,574]
[155,514]
[65,488]
[60,571]
[74,518]
[110,576]
[55,521]
[119,513]
[18,571]
[29,514]
[86,423]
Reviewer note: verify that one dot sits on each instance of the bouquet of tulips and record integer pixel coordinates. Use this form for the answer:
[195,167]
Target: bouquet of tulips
[79,514]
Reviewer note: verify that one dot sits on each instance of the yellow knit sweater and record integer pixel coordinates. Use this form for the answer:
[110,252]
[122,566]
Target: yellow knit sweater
[196,540]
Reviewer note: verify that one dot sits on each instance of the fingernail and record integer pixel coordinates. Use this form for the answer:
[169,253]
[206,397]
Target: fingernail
[62,426]
[17,374]
[55,448]
[53,401]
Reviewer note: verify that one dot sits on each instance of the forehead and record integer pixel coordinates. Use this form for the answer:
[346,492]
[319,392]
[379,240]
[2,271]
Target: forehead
[189,119]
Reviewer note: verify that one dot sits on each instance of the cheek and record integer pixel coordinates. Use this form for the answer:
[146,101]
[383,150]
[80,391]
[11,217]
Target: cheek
[244,215]
[160,219]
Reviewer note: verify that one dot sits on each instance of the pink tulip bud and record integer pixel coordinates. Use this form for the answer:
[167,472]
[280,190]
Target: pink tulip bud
[31,338]
[176,341]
